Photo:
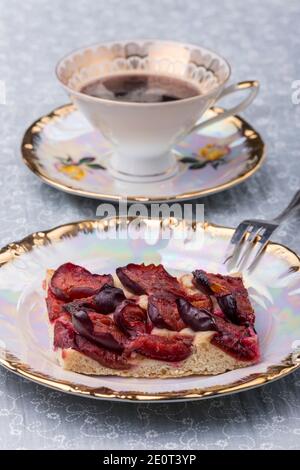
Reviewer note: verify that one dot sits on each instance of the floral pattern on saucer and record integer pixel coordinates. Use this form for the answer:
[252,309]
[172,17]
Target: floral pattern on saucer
[66,152]
[210,154]
[77,170]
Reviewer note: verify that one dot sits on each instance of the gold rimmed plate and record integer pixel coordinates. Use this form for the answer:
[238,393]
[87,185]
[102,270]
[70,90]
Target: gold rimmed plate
[103,245]
[64,151]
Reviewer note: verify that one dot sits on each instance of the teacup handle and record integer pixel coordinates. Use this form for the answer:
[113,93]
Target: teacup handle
[252,86]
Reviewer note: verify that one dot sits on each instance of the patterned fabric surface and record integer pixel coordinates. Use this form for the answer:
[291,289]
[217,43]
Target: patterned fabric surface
[261,40]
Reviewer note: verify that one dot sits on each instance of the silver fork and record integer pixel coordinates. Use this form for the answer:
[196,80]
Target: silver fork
[255,233]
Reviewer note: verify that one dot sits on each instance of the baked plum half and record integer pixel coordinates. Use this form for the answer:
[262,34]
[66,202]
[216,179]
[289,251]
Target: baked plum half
[141,279]
[71,281]
[230,293]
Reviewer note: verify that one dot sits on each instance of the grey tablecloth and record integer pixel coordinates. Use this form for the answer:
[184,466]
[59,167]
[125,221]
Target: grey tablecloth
[261,39]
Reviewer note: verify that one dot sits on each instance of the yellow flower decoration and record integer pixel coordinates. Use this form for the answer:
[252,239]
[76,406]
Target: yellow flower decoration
[77,170]
[212,152]
[73,171]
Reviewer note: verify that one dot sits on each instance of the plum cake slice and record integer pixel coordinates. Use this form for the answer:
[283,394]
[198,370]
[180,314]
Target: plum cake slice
[144,322]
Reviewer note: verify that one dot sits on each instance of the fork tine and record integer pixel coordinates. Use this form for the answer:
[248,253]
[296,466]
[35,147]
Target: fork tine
[263,243]
[240,231]
[249,245]
[235,243]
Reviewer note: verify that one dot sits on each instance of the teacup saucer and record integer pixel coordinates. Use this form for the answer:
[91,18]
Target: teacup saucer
[66,152]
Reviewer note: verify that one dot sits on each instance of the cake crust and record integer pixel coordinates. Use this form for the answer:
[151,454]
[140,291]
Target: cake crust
[205,359]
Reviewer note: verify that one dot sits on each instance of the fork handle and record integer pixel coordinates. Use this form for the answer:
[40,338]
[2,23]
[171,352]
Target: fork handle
[293,205]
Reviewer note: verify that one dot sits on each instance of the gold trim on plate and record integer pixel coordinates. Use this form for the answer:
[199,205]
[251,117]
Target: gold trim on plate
[14,250]
[255,141]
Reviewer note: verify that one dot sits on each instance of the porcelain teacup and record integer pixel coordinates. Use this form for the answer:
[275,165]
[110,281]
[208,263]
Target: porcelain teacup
[144,134]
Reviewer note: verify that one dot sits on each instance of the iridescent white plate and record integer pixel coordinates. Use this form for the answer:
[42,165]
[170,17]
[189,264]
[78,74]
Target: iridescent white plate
[66,152]
[26,349]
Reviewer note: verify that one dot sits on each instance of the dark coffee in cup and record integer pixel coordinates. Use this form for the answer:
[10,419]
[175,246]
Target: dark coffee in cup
[141,88]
